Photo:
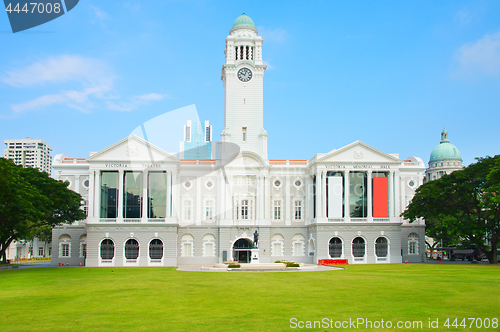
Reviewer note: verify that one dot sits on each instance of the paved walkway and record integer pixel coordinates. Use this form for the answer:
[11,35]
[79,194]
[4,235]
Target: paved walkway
[212,268]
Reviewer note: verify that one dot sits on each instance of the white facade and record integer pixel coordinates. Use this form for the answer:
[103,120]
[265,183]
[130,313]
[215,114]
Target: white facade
[148,208]
[29,152]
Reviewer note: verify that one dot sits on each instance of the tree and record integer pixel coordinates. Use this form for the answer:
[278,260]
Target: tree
[31,202]
[437,230]
[464,204]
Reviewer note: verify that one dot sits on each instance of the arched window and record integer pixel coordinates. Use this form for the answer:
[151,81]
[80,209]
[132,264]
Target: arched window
[156,249]
[335,247]
[413,244]
[298,245]
[187,244]
[209,245]
[277,242]
[83,245]
[107,249]
[131,249]
[65,246]
[358,247]
[381,247]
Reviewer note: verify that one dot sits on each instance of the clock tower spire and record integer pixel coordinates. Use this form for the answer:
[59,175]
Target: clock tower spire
[243,74]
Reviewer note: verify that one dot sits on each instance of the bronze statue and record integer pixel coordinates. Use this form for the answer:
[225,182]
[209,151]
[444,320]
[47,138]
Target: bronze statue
[255,238]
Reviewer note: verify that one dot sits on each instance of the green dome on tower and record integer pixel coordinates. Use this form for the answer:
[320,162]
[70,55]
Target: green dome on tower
[445,150]
[243,22]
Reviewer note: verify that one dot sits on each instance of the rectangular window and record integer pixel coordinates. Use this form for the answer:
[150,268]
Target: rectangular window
[297,249]
[244,129]
[358,195]
[244,209]
[109,194]
[186,250]
[277,210]
[84,250]
[412,247]
[207,134]
[298,210]
[209,210]
[65,250]
[276,249]
[187,210]
[209,250]
[157,195]
[86,206]
[132,198]
[40,251]
[188,134]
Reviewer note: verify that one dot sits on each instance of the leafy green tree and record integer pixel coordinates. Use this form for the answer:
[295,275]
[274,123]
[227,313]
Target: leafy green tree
[437,230]
[464,204]
[31,202]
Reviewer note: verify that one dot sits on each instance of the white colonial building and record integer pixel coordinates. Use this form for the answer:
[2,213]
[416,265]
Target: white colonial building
[147,207]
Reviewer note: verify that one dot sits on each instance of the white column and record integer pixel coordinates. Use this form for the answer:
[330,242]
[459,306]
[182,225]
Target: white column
[287,208]
[397,193]
[91,194]
[323,191]
[391,194]
[145,198]
[198,201]
[120,196]
[220,195]
[267,203]
[175,194]
[228,193]
[97,205]
[77,184]
[169,195]
[311,198]
[370,196]
[347,203]
[319,185]
[402,194]
[260,197]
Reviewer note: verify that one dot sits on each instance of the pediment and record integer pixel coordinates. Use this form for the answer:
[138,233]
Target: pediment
[132,149]
[359,152]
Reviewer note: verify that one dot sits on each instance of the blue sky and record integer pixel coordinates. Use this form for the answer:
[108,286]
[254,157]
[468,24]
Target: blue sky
[391,74]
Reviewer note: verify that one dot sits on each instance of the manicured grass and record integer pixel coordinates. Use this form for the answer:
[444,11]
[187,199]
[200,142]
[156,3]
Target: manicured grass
[162,299]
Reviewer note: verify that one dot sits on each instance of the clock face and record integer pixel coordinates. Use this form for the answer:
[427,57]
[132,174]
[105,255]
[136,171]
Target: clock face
[244,74]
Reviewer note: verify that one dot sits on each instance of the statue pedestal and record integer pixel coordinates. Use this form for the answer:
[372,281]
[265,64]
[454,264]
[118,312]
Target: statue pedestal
[255,256]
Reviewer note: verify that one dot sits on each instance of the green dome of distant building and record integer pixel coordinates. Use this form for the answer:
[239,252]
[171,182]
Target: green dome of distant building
[445,150]
[243,22]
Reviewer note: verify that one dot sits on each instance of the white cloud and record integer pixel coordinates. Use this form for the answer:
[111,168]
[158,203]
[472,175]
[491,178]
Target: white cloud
[481,57]
[39,102]
[463,16]
[152,96]
[122,107]
[59,69]
[99,13]
[269,65]
[135,102]
[275,35]
[92,80]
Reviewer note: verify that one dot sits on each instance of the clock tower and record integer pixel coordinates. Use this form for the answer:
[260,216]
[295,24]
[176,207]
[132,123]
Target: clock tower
[243,75]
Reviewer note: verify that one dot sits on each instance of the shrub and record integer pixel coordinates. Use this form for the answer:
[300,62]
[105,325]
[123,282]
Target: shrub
[292,264]
[234,266]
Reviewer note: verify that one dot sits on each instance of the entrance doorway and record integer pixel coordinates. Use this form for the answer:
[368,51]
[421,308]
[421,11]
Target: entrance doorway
[242,250]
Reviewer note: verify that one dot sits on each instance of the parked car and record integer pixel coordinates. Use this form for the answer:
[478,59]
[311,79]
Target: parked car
[466,253]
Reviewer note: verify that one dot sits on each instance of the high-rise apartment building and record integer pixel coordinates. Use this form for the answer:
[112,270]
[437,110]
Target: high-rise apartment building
[29,152]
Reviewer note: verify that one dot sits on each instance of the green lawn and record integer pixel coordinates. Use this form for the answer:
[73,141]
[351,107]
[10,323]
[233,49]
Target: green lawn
[162,299]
